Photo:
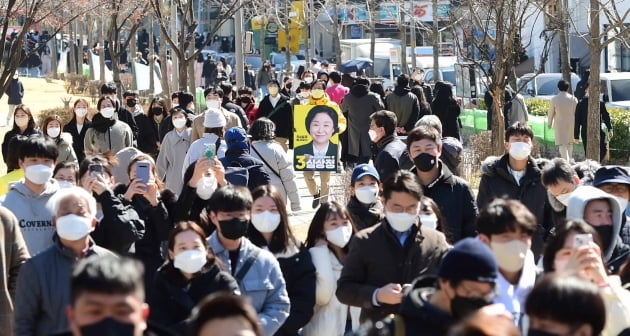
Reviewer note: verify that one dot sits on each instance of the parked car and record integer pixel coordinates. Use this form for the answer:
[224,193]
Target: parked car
[615,89]
[279,60]
[544,85]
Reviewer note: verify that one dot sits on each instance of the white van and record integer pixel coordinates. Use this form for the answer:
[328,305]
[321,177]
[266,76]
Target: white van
[615,89]
[543,85]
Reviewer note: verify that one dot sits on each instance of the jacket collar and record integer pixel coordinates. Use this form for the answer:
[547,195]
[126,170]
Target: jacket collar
[68,253]
[386,140]
[531,170]
[415,233]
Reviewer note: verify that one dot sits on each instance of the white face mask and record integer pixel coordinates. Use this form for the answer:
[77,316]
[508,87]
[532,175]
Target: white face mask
[339,236]
[206,187]
[65,184]
[38,173]
[212,103]
[511,255]
[190,261]
[308,80]
[53,132]
[623,203]
[21,121]
[564,198]
[400,221]
[428,221]
[519,150]
[372,134]
[179,122]
[108,112]
[81,111]
[266,221]
[366,194]
[73,227]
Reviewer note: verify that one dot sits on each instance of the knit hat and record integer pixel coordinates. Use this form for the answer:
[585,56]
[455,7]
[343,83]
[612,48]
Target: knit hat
[236,137]
[469,259]
[362,170]
[452,151]
[214,118]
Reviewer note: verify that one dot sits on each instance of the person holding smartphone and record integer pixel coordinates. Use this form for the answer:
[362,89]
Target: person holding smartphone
[119,225]
[155,205]
[571,252]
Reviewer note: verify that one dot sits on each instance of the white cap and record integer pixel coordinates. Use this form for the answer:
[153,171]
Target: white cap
[214,118]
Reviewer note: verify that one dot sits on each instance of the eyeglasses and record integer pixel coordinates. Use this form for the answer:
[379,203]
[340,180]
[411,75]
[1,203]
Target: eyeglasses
[614,188]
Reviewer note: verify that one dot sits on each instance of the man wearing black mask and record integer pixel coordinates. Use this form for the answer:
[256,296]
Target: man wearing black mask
[466,281]
[246,101]
[452,194]
[256,270]
[132,104]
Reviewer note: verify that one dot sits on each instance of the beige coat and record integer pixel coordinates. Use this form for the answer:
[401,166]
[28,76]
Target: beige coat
[561,117]
[13,254]
[197,127]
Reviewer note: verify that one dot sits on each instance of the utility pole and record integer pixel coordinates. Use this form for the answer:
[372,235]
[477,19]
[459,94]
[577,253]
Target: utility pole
[412,21]
[238,44]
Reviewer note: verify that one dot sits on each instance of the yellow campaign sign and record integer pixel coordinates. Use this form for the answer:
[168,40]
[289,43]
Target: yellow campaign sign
[258,22]
[316,139]
[297,14]
[294,42]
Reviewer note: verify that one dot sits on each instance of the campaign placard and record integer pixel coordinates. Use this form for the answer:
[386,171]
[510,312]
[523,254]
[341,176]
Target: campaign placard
[316,137]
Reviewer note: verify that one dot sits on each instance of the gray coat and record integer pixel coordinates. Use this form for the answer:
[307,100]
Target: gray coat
[43,290]
[277,162]
[114,139]
[357,106]
[171,158]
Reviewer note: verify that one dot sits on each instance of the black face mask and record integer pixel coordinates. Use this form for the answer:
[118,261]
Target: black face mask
[131,102]
[538,332]
[605,233]
[462,306]
[234,228]
[289,86]
[246,100]
[108,327]
[425,162]
[157,111]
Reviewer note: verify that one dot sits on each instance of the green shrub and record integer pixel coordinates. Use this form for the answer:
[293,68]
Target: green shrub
[536,106]
[61,111]
[620,142]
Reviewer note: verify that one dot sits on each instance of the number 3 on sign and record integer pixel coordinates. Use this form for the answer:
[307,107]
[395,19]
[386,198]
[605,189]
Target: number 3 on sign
[301,163]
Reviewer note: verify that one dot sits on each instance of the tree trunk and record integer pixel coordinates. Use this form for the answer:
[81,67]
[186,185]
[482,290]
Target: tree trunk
[372,22]
[101,52]
[182,70]
[190,61]
[403,43]
[133,46]
[565,65]
[72,52]
[55,62]
[594,120]
[336,42]
[166,87]
[436,44]
[90,39]
[151,58]
[498,121]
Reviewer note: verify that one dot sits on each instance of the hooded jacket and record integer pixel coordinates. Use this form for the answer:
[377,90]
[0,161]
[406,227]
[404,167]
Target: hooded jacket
[616,253]
[406,106]
[497,181]
[235,157]
[357,106]
[34,214]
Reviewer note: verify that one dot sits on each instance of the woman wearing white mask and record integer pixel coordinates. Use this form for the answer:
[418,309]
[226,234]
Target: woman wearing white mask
[201,179]
[190,274]
[430,215]
[328,241]
[66,174]
[23,124]
[52,129]
[78,126]
[106,133]
[174,147]
[270,230]
[364,204]
[119,225]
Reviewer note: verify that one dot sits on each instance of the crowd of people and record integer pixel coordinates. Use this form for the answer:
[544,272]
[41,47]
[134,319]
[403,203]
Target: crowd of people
[176,221]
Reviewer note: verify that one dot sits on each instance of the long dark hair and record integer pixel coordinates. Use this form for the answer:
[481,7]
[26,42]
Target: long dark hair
[159,101]
[560,233]
[31,121]
[325,211]
[282,236]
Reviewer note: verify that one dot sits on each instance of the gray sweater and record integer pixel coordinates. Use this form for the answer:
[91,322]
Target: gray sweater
[43,290]
[114,139]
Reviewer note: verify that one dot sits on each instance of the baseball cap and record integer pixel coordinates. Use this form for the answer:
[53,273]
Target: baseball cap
[362,170]
[611,174]
[469,259]
[236,137]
